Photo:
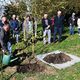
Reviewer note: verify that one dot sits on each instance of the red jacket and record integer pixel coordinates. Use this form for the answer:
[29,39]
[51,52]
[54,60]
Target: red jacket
[52,21]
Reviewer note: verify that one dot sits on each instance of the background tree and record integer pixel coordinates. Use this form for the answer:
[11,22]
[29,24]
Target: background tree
[18,7]
[52,6]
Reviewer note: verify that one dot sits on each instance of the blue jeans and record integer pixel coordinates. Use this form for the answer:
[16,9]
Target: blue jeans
[9,48]
[56,29]
[72,27]
[79,31]
[16,37]
[19,32]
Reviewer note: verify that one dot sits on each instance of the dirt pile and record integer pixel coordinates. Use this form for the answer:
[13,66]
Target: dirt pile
[34,68]
[57,58]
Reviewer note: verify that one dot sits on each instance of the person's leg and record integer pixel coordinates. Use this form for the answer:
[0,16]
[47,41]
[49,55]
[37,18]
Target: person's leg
[9,48]
[70,32]
[49,36]
[16,38]
[19,32]
[73,29]
[44,35]
[78,31]
[55,33]
[60,34]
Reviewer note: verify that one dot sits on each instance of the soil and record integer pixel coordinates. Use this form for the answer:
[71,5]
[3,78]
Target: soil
[57,58]
[34,68]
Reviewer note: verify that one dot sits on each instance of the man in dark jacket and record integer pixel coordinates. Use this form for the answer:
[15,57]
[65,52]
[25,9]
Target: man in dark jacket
[58,25]
[72,23]
[7,35]
[3,29]
[14,27]
[4,19]
[46,23]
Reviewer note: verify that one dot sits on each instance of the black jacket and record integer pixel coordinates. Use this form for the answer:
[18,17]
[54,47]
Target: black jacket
[7,34]
[2,39]
[44,25]
[71,20]
[59,22]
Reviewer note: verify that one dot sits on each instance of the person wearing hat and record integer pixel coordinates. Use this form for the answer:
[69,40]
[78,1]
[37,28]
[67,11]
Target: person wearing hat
[72,23]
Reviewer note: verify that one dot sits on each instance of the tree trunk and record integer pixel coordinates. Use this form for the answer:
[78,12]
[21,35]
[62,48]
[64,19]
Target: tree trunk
[35,28]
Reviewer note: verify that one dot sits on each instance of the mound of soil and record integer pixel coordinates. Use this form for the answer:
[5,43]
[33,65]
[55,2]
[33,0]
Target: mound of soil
[34,68]
[57,58]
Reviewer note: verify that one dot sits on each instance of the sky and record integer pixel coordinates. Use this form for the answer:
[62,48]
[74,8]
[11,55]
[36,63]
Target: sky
[3,2]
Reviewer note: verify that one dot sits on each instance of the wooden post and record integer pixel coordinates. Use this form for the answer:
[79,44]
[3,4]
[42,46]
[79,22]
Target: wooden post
[35,28]
[32,37]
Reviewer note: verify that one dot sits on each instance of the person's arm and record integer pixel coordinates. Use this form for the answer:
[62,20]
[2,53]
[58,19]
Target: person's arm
[43,23]
[49,24]
[70,21]
[63,19]
[17,25]
[77,22]
[54,20]
[11,24]
[3,45]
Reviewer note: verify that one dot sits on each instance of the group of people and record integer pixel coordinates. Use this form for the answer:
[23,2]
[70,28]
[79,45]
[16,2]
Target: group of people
[58,24]
[14,26]
[5,27]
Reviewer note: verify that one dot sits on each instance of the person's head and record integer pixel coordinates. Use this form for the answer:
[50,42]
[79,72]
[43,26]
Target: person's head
[73,14]
[6,27]
[45,16]
[59,13]
[14,17]
[4,19]
[28,17]
[17,17]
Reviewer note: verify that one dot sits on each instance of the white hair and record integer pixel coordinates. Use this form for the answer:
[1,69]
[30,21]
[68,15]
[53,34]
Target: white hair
[59,12]
[45,14]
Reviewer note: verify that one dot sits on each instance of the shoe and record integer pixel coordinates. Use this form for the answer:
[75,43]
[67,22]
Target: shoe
[59,42]
[18,43]
[53,42]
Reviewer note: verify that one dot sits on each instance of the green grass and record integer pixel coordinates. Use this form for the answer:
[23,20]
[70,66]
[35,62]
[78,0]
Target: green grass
[70,44]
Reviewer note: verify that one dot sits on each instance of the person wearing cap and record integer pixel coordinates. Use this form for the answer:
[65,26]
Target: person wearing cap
[72,23]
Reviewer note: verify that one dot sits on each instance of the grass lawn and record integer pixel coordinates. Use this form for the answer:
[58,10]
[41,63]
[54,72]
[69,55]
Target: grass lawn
[70,44]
